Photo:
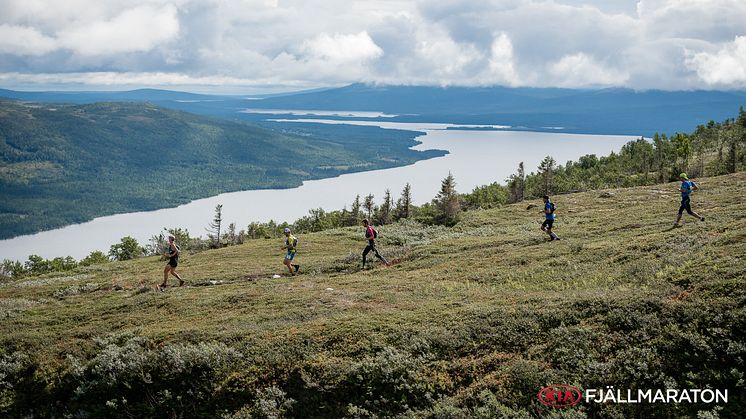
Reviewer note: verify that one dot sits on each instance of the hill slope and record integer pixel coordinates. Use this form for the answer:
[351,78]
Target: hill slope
[472,322]
[62,164]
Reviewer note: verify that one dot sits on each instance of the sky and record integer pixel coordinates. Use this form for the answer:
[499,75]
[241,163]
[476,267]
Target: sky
[261,46]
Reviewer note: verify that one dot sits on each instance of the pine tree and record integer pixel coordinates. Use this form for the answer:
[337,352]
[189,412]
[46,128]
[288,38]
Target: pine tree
[546,173]
[355,212]
[213,231]
[384,211]
[231,234]
[517,184]
[404,203]
[447,202]
[369,205]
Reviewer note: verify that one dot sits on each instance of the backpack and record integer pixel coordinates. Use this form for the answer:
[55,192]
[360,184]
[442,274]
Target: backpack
[375,233]
[552,207]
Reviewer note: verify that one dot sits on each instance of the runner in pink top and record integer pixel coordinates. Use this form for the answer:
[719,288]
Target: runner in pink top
[371,234]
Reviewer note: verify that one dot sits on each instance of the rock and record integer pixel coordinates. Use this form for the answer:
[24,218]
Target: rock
[275,276]
[330,289]
[606,195]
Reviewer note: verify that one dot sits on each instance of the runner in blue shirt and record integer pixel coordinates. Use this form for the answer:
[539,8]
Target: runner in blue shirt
[686,188]
[549,218]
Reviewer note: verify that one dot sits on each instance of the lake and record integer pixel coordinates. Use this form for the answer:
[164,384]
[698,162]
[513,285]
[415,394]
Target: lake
[476,157]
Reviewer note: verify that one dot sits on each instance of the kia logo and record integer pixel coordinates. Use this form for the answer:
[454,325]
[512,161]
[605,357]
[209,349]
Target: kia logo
[559,395]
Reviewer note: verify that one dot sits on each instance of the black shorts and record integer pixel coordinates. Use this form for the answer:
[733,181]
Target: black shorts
[173,263]
[547,223]
[686,204]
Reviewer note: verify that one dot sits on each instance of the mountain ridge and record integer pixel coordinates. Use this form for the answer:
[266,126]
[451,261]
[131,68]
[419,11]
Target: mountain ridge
[597,111]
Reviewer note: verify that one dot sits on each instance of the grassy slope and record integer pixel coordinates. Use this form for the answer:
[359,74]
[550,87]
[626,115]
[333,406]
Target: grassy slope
[485,305]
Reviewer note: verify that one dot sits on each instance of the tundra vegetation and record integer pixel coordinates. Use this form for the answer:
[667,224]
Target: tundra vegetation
[476,318]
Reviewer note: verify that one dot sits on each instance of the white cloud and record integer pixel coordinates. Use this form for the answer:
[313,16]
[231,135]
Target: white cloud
[670,44]
[134,30]
[21,40]
[342,48]
[110,79]
[723,68]
[86,28]
[501,61]
[582,70]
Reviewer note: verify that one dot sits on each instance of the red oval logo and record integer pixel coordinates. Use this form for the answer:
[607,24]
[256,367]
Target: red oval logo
[559,395]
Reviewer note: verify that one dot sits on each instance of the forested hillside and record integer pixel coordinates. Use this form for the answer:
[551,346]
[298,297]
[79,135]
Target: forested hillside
[62,164]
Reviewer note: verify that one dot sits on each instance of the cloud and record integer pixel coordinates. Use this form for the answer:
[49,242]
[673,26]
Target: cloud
[342,48]
[670,44]
[22,40]
[138,29]
[110,79]
[501,61]
[581,69]
[707,20]
[134,30]
[723,68]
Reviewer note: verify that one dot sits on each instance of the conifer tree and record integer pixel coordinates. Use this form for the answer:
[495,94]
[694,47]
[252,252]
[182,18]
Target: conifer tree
[213,231]
[369,205]
[546,172]
[404,203]
[447,202]
[384,211]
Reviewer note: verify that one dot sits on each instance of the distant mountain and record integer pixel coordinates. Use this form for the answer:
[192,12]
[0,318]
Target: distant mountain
[139,95]
[62,164]
[599,111]
[610,111]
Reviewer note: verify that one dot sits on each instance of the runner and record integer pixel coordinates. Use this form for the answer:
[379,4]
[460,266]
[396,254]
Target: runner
[686,188]
[549,218]
[371,234]
[290,244]
[173,261]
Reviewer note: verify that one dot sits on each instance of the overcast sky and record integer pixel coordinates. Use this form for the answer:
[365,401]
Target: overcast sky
[245,46]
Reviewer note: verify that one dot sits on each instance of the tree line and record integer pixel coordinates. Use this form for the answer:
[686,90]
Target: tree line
[712,149]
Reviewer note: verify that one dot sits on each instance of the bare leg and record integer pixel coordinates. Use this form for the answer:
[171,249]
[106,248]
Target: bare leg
[165,275]
[287,263]
[173,272]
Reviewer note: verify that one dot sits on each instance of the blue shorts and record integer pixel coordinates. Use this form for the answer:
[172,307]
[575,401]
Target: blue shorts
[290,256]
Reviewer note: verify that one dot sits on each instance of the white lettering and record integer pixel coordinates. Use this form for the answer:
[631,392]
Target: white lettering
[684,394]
[694,395]
[708,393]
[671,395]
[658,396]
[590,394]
[721,396]
[609,396]
[696,392]
[644,395]
[630,399]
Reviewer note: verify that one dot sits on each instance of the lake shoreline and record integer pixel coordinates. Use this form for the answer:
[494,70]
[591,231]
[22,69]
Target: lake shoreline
[468,151]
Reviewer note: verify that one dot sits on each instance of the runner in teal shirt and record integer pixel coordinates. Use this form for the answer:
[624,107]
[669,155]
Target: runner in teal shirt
[686,188]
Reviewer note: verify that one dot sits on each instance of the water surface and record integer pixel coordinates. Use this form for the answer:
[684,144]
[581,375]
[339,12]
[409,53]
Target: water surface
[476,157]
